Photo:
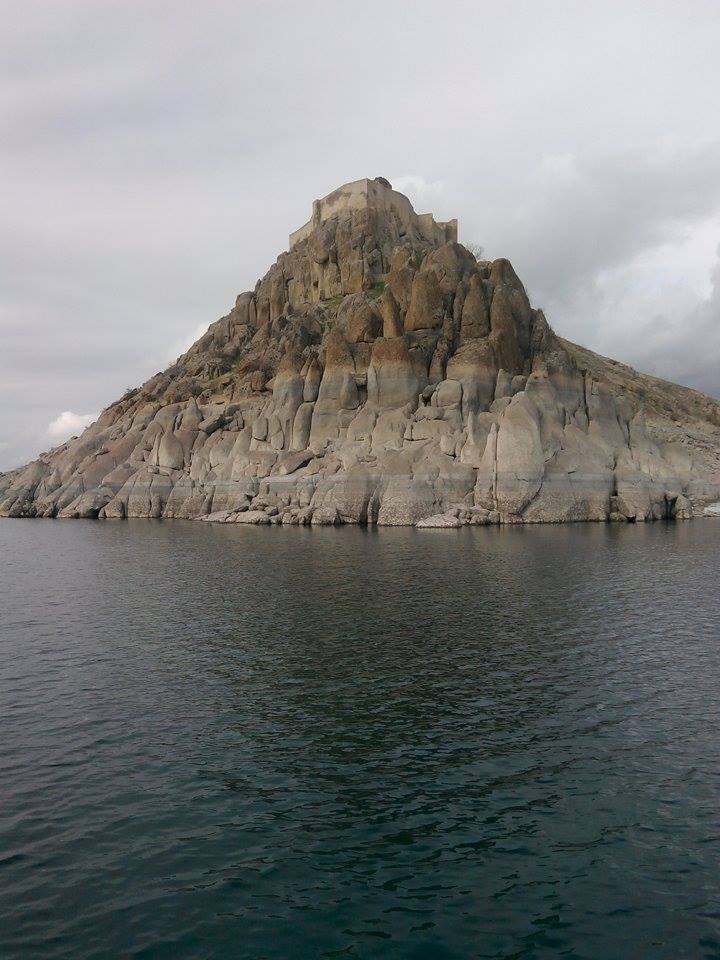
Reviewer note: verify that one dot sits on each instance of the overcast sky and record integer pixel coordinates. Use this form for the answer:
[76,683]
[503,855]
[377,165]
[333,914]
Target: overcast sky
[154,157]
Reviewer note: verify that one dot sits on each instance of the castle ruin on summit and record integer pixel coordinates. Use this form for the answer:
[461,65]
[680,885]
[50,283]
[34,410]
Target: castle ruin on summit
[377,195]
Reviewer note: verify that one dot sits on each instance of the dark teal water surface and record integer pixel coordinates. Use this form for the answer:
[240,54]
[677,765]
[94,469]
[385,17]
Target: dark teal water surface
[286,743]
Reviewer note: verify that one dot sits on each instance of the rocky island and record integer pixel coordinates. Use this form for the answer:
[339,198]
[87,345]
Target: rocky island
[379,373]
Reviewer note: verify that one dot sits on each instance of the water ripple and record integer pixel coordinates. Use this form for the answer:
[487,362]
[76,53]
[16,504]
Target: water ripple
[271,743]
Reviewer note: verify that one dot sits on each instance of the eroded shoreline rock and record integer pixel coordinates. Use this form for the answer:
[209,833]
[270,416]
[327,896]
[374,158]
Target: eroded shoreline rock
[380,374]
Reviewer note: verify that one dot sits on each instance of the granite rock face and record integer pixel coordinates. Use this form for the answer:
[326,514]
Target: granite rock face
[379,373]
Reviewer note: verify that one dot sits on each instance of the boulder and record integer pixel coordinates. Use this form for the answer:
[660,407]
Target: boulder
[440,521]
[405,500]
[426,309]
[475,317]
[252,517]
[393,380]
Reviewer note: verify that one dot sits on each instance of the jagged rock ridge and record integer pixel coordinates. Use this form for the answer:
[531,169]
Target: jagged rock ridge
[379,373]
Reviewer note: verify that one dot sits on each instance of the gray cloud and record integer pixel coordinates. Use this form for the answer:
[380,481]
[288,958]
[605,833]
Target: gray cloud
[684,345]
[155,156]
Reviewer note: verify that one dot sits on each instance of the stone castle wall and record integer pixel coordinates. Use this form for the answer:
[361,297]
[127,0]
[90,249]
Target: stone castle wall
[377,195]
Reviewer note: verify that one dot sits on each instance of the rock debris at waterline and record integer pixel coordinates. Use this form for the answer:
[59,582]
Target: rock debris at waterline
[379,373]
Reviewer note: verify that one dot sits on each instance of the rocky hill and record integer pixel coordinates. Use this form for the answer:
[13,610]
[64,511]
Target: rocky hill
[379,373]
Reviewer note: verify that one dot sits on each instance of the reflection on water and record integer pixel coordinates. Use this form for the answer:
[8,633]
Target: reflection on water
[270,742]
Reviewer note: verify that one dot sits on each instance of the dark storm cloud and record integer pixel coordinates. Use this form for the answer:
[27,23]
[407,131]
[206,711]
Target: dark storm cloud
[155,156]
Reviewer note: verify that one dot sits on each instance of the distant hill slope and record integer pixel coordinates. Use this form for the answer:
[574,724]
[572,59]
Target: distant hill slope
[673,413]
[378,373]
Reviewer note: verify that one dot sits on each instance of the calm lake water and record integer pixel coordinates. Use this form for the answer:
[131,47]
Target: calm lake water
[292,743]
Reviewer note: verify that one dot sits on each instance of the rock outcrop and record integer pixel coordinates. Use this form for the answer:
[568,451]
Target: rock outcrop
[379,373]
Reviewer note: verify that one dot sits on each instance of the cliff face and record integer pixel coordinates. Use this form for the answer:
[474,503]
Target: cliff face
[379,373]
